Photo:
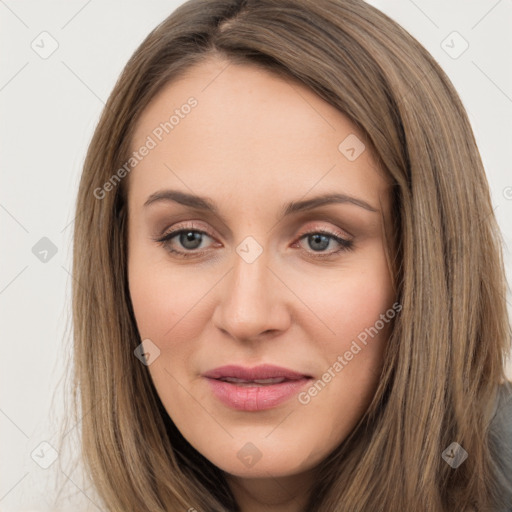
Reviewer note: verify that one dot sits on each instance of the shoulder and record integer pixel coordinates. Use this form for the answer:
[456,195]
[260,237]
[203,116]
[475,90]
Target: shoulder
[500,433]
[501,423]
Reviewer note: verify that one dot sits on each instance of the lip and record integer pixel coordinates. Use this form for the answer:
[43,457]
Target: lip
[255,397]
[263,371]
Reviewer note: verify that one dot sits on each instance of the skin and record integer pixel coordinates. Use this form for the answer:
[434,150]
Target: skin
[254,142]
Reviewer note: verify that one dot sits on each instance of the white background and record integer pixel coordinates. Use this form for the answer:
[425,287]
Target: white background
[49,108]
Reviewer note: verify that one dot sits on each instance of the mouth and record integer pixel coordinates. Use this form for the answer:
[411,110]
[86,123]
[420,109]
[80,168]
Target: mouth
[263,374]
[256,382]
[255,389]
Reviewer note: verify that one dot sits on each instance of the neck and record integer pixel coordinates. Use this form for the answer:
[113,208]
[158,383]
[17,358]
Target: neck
[271,494]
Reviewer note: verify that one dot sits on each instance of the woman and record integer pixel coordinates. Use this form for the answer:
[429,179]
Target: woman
[335,341]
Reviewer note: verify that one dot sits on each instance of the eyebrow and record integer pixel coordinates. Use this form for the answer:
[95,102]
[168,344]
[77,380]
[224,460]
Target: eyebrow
[205,203]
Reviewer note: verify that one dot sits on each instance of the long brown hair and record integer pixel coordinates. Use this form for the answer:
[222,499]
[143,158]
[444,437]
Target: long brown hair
[445,356]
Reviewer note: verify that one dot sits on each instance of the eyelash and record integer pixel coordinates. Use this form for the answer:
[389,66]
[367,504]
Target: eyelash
[346,245]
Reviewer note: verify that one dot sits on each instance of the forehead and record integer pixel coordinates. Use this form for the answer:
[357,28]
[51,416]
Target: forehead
[249,135]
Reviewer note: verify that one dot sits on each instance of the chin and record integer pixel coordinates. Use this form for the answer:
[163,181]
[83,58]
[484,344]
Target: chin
[252,462]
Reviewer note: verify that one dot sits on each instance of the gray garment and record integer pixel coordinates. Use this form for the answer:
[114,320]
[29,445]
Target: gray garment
[500,437]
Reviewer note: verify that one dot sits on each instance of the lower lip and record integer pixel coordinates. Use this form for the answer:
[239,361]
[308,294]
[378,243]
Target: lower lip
[255,398]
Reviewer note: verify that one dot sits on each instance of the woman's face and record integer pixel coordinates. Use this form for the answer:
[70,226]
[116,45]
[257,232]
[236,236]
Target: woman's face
[259,276]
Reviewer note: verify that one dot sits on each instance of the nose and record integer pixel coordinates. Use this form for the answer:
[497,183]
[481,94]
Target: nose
[252,301]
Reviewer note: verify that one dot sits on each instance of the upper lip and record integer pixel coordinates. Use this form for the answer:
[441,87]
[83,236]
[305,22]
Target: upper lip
[264,371]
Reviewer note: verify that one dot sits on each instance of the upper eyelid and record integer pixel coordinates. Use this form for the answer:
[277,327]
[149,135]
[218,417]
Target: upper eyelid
[175,230]
[342,221]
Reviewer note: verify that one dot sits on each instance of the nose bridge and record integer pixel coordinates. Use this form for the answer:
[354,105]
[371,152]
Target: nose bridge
[247,306]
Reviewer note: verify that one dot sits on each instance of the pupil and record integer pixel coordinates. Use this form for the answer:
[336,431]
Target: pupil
[189,240]
[318,239]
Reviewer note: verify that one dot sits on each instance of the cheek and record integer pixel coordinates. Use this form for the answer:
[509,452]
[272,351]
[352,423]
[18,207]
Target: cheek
[171,309]
[360,302]
[351,300]
[163,297]
[155,306]
[357,310]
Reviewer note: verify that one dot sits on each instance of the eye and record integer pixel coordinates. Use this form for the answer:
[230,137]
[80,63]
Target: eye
[189,238]
[319,240]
